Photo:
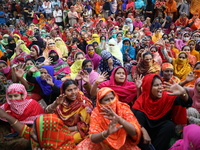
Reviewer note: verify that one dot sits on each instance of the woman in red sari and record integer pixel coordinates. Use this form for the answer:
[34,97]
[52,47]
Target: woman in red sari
[182,21]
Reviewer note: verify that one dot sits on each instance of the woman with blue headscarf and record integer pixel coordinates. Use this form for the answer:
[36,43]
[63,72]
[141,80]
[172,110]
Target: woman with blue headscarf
[49,86]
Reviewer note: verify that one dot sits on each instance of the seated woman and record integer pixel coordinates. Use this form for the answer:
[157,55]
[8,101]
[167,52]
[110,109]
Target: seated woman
[192,44]
[192,59]
[76,66]
[70,58]
[181,64]
[108,62]
[190,141]
[155,109]
[112,125]
[48,132]
[126,90]
[5,69]
[93,56]
[146,65]
[36,55]
[167,71]
[62,46]
[74,109]
[49,86]
[156,56]
[60,67]
[86,77]
[4,84]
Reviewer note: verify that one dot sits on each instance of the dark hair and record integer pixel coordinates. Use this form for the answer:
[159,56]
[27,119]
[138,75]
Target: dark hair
[147,53]
[95,43]
[198,63]
[30,60]
[67,83]
[183,53]
[154,78]
[90,45]
[184,47]
[119,33]
[78,53]
[102,37]
[154,47]
[85,62]
[75,40]
[171,39]
[164,35]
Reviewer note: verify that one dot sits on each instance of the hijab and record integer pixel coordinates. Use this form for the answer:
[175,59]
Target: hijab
[46,88]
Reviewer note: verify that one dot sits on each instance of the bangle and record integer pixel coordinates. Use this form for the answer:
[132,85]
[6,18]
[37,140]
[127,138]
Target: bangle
[103,135]
[14,123]
[97,82]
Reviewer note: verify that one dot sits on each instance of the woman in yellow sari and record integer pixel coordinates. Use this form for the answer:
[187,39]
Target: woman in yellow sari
[74,109]
[42,21]
[95,37]
[62,46]
[157,35]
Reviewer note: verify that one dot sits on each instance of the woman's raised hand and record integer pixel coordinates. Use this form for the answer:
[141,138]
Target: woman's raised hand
[33,69]
[138,81]
[102,77]
[47,61]
[112,128]
[85,76]
[60,99]
[49,80]
[175,89]
[191,76]
[20,70]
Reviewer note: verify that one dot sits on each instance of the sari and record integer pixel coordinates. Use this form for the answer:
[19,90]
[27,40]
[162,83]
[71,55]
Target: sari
[75,68]
[196,24]
[70,58]
[118,140]
[182,21]
[77,114]
[194,94]
[127,92]
[98,7]
[22,110]
[190,141]
[95,58]
[51,134]
[62,46]
[156,37]
[194,52]
[170,6]
[181,67]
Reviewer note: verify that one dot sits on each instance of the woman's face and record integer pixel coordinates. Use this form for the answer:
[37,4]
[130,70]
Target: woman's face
[88,65]
[51,45]
[3,66]
[120,75]
[156,89]
[148,58]
[168,73]
[182,56]
[198,87]
[107,99]
[126,43]
[29,63]
[186,49]
[172,26]
[71,92]
[15,96]
[119,37]
[153,50]
[91,50]
[79,57]
[192,44]
[33,52]
[43,73]
[2,78]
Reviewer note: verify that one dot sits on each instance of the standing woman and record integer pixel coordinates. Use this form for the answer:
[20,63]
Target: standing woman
[74,109]
[112,125]
[155,109]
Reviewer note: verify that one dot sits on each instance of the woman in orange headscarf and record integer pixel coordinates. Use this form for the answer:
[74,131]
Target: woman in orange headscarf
[171,8]
[194,22]
[112,125]
[42,21]
[98,6]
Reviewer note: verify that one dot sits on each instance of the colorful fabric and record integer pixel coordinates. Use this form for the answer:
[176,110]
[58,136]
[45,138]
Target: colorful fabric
[51,134]
[75,68]
[22,110]
[77,114]
[95,58]
[181,67]
[62,46]
[196,20]
[166,66]
[127,92]
[70,58]
[194,94]
[131,52]
[194,52]
[192,83]
[46,88]
[99,123]
[170,6]
[190,141]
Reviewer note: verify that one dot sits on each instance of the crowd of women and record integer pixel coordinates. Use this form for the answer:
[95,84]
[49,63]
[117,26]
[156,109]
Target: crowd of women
[105,75]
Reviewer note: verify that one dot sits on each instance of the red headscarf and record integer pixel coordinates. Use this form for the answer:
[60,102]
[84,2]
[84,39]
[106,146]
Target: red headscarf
[126,92]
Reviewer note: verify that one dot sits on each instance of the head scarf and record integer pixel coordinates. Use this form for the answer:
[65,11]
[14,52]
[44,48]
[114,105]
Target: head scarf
[22,109]
[75,68]
[95,58]
[56,65]
[4,42]
[115,50]
[131,51]
[105,55]
[70,58]
[46,88]
[99,123]
[181,67]
[190,141]
[49,125]
[5,70]
[194,94]
[126,92]
[167,66]
[62,46]
[38,50]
